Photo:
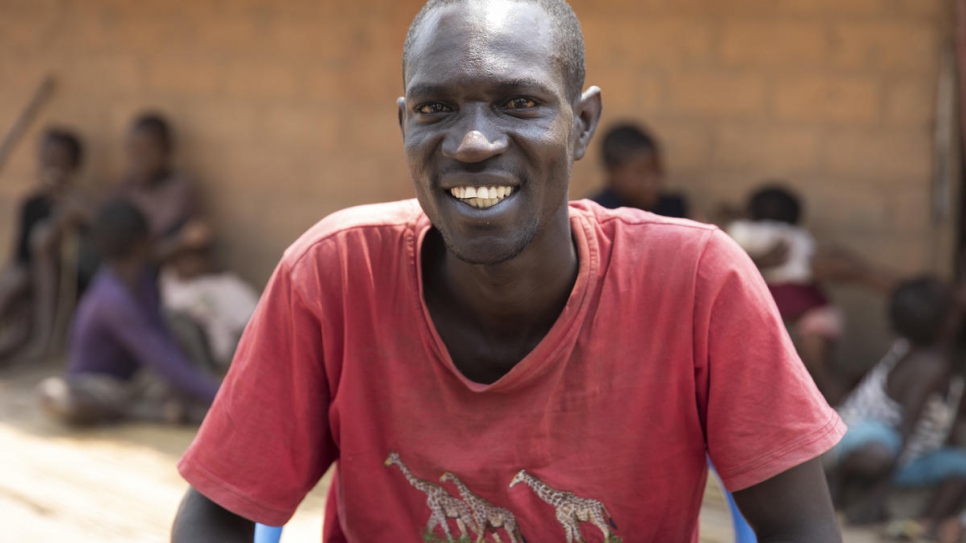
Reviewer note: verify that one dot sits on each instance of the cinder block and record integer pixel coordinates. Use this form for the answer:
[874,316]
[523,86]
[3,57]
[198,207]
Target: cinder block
[912,209]
[834,206]
[926,8]
[716,93]
[636,95]
[820,97]
[833,7]
[774,44]
[266,78]
[231,34]
[780,151]
[649,42]
[910,102]
[189,75]
[880,155]
[221,122]
[907,47]
[724,7]
[322,41]
[687,146]
[302,125]
[102,75]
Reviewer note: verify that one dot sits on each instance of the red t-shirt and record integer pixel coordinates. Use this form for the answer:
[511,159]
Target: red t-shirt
[669,348]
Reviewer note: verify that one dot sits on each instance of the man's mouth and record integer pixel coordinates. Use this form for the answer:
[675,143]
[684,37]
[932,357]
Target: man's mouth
[481,197]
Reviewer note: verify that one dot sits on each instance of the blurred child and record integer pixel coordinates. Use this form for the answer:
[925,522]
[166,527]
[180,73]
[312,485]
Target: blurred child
[166,196]
[635,173]
[219,302]
[29,290]
[901,415]
[122,360]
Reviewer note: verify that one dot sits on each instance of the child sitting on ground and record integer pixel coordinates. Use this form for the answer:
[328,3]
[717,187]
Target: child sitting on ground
[901,415]
[29,287]
[122,361]
[635,173]
[218,302]
[165,195]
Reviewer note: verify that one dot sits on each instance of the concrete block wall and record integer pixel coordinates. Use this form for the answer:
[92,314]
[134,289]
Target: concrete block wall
[285,109]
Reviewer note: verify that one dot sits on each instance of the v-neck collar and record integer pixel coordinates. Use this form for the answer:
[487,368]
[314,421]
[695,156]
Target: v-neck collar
[563,333]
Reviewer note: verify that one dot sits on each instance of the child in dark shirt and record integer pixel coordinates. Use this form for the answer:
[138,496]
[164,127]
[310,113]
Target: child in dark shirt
[635,173]
[31,286]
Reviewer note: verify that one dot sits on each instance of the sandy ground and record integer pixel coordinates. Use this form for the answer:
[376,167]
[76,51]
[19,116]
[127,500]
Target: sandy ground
[119,484]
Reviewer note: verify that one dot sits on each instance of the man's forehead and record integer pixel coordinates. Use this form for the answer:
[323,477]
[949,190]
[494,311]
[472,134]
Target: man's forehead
[485,36]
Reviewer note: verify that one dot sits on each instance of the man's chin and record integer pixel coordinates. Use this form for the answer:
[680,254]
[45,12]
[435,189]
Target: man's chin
[488,253]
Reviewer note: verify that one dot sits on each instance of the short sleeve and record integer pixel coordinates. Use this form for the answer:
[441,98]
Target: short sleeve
[761,411]
[266,441]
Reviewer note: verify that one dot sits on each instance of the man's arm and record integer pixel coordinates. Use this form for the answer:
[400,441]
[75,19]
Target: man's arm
[791,507]
[203,521]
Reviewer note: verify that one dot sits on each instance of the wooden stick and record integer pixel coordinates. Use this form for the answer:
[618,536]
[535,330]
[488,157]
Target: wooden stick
[27,114]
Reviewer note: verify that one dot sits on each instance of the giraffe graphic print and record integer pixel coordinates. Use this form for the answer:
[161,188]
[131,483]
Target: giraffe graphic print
[571,510]
[489,517]
[442,506]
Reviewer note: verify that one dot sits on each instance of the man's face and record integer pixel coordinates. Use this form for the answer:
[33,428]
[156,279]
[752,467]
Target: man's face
[486,107]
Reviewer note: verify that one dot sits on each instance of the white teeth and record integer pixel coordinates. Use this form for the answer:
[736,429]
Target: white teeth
[481,197]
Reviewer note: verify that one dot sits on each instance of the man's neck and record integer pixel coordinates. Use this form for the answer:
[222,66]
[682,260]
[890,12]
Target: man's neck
[491,316]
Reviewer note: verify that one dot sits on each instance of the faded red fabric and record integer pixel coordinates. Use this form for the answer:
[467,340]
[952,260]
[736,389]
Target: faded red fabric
[670,347]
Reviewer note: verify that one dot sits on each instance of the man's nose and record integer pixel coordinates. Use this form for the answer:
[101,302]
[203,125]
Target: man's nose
[469,142]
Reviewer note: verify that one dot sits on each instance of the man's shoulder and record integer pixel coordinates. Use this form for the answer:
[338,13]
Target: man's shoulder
[360,223]
[637,220]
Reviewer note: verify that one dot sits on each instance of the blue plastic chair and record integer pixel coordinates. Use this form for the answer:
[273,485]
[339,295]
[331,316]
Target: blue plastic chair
[743,531]
[267,534]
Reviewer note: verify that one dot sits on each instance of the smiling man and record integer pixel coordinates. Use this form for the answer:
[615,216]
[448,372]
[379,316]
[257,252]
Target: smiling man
[491,362]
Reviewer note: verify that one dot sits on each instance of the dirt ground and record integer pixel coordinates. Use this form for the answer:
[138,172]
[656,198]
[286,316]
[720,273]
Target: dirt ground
[119,484]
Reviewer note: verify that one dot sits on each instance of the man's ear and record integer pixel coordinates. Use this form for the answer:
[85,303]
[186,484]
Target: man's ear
[401,105]
[586,116]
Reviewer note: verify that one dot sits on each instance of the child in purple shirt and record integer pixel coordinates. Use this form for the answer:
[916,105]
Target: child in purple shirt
[123,362]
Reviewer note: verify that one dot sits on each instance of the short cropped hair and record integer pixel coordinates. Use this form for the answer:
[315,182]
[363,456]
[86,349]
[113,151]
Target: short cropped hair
[569,38]
[70,140]
[624,140]
[775,203]
[919,308]
[158,126]
[118,228]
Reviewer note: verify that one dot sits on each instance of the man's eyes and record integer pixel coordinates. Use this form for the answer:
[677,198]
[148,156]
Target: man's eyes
[521,103]
[433,107]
